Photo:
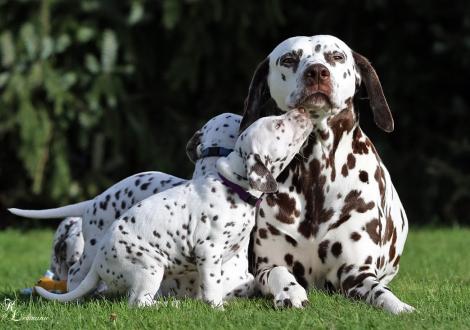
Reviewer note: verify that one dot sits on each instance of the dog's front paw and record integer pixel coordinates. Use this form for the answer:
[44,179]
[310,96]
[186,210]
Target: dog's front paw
[291,296]
[219,306]
[398,308]
[392,304]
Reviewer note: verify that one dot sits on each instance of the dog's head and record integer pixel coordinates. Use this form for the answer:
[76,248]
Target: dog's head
[265,148]
[320,74]
[219,132]
[67,246]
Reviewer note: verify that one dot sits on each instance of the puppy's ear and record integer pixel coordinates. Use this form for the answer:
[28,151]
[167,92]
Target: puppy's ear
[258,94]
[259,176]
[192,146]
[382,115]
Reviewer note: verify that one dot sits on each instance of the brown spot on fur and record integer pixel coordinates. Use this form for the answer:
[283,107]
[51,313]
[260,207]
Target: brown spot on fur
[352,281]
[397,260]
[344,170]
[289,259]
[336,249]
[358,146]
[299,272]
[310,183]
[352,201]
[389,228]
[355,236]
[263,233]
[341,123]
[380,178]
[323,250]
[351,161]
[364,176]
[291,240]
[273,230]
[286,205]
[373,229]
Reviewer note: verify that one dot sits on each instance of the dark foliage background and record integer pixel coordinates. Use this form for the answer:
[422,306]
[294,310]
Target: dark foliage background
[93,91]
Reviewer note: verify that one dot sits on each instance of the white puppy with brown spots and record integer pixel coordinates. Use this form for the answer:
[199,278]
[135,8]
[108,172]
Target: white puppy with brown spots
[199,225]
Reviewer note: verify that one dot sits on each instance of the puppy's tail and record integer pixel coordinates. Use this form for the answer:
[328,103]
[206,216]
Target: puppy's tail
[89,283]
[72,210]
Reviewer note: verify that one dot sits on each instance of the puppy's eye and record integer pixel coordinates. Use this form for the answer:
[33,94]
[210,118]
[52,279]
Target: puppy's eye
[278,125]
[288,61]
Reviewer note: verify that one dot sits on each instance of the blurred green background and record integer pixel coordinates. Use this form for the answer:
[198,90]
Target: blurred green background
[93,91]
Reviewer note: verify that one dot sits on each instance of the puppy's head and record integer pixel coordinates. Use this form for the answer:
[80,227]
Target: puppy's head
[67,246]
[320,74]
[220,131]
[266,147]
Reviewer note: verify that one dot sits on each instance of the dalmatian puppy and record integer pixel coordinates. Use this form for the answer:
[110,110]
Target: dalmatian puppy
[219,135]
[204,148]
[336,222]
[199,225]
[67,247]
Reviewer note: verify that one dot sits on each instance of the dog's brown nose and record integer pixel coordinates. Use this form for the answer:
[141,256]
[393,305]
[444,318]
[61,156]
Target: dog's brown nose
[315,74]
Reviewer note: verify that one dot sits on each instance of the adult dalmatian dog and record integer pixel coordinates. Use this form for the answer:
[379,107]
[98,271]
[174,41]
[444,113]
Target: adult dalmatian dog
[78,238]
[336,221]
[199,225]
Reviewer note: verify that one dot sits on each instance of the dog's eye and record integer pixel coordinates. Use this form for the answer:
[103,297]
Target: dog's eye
[288,61]
[278,124]
[338,57]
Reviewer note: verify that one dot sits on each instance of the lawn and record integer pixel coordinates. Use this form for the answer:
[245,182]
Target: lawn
[434,278]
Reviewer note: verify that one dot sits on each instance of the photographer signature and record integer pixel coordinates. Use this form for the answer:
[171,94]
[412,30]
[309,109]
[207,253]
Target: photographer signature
[9,312]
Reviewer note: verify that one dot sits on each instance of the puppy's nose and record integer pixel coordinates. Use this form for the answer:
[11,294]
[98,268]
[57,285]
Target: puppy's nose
[300,114]
[315,74]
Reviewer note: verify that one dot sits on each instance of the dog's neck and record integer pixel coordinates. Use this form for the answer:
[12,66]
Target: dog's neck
[205,166]
[329,131]
[233,168]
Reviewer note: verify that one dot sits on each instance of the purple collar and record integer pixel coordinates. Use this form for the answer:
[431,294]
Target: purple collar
[242,193]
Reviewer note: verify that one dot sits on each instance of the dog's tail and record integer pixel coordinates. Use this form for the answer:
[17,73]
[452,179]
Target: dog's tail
[72,210]
[89,283]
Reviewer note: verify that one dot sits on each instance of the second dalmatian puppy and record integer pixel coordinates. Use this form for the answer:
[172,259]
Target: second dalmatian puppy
[198,226]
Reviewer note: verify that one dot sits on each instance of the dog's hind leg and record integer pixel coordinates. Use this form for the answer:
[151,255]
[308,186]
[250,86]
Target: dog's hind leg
[365,286]
[145,286]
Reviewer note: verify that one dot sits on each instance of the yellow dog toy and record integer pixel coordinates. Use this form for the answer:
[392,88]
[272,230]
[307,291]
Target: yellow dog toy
[47,282]
[52,285]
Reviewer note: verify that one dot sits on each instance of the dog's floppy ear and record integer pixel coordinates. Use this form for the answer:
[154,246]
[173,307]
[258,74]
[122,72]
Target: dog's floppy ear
[258,94]
[192,146]
[259,176]
[382,115]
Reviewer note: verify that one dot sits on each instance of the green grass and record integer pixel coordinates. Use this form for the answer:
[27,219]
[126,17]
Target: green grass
[434,278]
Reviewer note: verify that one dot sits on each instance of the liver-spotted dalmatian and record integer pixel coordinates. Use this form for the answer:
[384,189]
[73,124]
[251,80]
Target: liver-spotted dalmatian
[336,222]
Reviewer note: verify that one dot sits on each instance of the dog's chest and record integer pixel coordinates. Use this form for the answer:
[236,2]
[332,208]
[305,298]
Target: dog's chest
[315,193]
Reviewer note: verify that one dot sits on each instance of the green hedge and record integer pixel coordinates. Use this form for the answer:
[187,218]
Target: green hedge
[93,91]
